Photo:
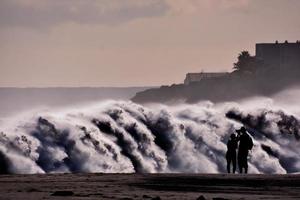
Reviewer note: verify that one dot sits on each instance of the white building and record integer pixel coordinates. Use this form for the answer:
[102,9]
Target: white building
[196,77]
[281,56]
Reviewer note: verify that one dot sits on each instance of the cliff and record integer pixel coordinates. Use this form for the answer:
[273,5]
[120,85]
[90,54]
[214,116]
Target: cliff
[228,88]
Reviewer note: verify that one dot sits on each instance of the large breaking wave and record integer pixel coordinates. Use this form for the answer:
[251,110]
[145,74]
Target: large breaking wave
[124,137]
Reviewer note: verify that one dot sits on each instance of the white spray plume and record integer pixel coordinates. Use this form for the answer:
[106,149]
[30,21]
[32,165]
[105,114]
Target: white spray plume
[124,137]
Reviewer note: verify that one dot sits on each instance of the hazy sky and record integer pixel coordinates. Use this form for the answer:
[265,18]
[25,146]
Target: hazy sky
[133,42]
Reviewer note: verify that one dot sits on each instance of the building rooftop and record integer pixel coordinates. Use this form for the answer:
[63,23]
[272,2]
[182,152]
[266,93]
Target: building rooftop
[281,43]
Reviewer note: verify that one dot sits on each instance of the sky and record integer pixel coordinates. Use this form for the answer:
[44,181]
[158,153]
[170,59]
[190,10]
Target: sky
[121,43]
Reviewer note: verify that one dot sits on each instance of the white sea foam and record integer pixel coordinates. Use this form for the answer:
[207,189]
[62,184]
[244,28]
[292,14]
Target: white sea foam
[122,137]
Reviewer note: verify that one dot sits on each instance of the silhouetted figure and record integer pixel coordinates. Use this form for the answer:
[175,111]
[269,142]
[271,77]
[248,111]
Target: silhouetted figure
[231,153]
[245,144]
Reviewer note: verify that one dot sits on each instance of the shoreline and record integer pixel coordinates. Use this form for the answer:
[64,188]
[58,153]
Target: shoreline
[150,186]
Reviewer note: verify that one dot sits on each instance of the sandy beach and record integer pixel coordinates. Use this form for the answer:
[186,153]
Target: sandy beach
[149,186]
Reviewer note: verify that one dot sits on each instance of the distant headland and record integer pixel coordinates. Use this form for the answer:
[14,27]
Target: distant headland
[275,66]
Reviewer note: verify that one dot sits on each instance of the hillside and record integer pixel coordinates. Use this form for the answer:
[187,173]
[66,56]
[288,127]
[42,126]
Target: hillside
[234,86]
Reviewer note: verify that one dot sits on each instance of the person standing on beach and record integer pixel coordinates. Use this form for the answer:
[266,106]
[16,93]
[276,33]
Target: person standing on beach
[231,153]
[245,144]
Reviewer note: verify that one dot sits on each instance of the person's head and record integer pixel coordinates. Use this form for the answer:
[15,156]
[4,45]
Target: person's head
[232,136]
[242,131]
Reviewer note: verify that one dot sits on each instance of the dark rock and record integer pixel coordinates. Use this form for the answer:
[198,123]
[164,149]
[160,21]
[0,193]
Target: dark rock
[32,190]
[62,193]
[146,196]
[201,198]
[156,198]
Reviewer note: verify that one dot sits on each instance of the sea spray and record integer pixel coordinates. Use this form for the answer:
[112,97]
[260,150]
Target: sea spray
[124,137]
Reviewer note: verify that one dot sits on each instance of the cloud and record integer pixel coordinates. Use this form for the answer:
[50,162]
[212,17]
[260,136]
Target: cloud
[198,6]
[48,13]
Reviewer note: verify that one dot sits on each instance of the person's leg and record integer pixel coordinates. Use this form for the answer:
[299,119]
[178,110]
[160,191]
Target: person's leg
[240,168]
[246,163]
[228,166]
[228,163]
[240,163]
[234,163]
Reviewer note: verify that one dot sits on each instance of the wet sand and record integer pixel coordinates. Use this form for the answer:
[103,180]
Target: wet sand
[150,186]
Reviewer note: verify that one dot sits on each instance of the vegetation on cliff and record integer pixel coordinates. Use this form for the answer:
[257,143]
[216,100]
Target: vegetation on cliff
[250,77]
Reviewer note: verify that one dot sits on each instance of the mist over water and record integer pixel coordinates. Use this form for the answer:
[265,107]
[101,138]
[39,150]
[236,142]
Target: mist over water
[124,137]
